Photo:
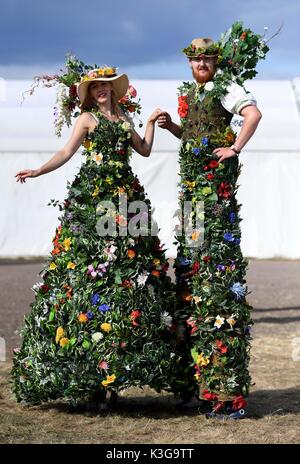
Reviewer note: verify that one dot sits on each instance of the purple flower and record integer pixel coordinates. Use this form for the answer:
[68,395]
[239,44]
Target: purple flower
[95,298]
[237,241]
[183,261]
[232,217]
[204,141]
[229,237]
[91,271]
[90,315]
[103,308]
[196,151]
[69,216]
[238,290]
[221,267]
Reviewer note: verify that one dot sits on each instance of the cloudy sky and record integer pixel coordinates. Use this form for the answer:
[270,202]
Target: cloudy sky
[142,37]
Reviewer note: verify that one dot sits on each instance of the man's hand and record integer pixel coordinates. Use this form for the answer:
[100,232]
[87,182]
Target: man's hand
[164,120]
[224,153]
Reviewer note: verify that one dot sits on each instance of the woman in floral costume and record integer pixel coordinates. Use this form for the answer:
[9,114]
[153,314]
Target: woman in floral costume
[210,268]
[98,322]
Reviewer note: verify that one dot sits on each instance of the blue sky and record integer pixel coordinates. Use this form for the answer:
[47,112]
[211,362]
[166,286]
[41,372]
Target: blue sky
[142,37]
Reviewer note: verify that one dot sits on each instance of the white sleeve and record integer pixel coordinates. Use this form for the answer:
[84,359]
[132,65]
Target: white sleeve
[237,98]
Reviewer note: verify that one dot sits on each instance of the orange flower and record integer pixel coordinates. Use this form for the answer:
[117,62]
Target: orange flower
[187,296]
[243,36]
[230,138]
[64,341]
[82,318]
[155,273]
[131,254]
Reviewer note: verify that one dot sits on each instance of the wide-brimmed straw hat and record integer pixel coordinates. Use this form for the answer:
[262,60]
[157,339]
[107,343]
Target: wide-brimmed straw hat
[202,46]
[119,82]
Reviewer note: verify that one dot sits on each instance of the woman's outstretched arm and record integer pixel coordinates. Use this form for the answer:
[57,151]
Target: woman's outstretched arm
[82,125]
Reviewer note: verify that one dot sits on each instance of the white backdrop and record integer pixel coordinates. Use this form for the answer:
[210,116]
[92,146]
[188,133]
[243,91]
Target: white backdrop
[268,183]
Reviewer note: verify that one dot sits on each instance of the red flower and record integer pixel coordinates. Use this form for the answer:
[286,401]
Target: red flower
[136,185]
[224,190]
[206,259]
[223,348]
[45,288]
[183,107]
[127,283]
[209,396]
[196,266]
[213,164]
[73,91]
[134,315]
[239,402]
[210,176]
[243,36]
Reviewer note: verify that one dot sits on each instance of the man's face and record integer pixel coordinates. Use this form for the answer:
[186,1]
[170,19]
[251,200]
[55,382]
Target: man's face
[203,68]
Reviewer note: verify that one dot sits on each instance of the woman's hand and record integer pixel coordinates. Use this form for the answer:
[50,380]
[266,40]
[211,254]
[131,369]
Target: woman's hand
[154,116]
[223,153]
[22,175]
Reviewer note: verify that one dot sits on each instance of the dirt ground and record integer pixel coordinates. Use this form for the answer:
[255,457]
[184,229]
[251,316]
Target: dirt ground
[143,416]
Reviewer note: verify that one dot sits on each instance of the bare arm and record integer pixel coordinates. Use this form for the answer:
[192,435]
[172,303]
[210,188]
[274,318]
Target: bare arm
[165,122]
[144,145]
[252,116]
[80,130]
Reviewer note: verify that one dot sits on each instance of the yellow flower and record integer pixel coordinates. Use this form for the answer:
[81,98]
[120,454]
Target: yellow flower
[71,265]
[106,327]
[156,262]
[195,235]
[67,244]
[190,185]
[197,376]
[64,341]
[82,318]
[87,144]
[197,299]
[59,334]
[202,360]
[95,192]
[109,379]
[52,266]
[231,321]
[109,180]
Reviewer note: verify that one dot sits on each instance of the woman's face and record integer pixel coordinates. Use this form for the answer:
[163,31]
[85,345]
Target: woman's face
[100,91]
[203,68]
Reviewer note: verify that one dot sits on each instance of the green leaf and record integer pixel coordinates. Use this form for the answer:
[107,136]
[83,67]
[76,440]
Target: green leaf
[86,344]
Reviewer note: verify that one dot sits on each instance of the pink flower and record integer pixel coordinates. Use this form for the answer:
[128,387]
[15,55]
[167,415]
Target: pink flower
[132,91]
[103,365]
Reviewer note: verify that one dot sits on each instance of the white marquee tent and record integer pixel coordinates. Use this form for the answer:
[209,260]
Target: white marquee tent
[268,183]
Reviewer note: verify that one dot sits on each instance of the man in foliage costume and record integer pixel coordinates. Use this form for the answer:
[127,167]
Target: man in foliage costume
[210,269]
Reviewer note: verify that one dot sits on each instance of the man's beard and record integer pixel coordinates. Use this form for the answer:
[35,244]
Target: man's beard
[202,79]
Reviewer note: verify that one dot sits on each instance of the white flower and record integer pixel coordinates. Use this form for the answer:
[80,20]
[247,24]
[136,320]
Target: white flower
[131,241]
[141,280]
[97,157]
[166,319]
[97,336]
[209,86]
[219,321]
[126,126]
